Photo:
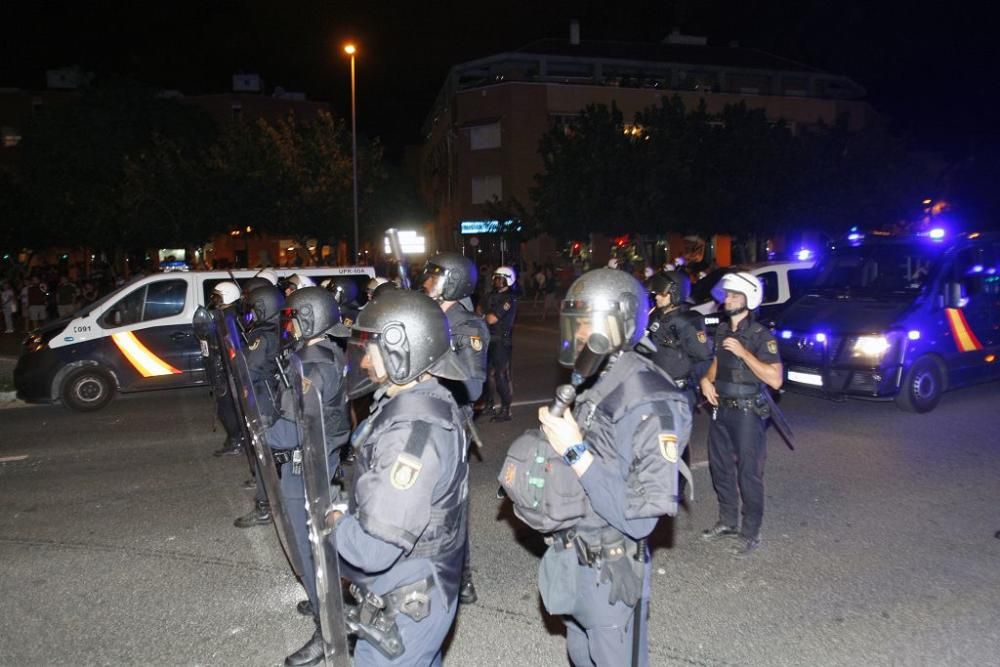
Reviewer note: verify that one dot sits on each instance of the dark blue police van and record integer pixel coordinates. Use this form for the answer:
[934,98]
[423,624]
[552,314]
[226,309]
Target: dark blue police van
[904,317]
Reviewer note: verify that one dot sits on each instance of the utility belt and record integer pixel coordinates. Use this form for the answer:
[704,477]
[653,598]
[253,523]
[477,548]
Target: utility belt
[756,404]
[283,456]
[594,552]
[374,617]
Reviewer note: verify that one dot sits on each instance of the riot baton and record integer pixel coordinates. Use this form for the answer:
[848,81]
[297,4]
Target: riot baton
[778,419]
[397,250]
[640,557]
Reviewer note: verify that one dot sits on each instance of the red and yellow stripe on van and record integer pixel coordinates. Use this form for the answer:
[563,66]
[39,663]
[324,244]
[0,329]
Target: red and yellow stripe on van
[965,339]
[140,356]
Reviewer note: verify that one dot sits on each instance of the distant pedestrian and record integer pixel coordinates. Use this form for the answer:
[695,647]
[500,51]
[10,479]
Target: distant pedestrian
[67,294]
[37,300]
[551,293]
[8,301]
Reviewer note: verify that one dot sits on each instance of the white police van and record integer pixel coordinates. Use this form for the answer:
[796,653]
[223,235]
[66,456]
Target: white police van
[137,338]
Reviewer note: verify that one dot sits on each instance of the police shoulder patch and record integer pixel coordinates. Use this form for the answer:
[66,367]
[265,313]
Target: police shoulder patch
[668,447]
[306,384]
[772,346]
[476,343]
[702,338]
[506,305]
[405,471]
[347,321]
[255,344]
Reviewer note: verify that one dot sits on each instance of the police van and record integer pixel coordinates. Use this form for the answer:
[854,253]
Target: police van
[139,337]
[905,317]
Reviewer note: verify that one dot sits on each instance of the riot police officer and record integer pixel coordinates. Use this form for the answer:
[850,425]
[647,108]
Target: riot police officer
[225,298]
[746,364]
[263,345]
[500,312]
[402,537]
[623,443]
[310,314]
[450,279]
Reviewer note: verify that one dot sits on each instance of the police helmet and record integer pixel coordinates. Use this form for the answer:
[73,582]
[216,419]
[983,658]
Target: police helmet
[607,303]
[387,286]
[298,281]
[269,275]
[506,273]
[311,312]
[265,303]
[250,284]
[344,290]
[675,283]
[398,337]
[227,292]
[743,283]
[451,276]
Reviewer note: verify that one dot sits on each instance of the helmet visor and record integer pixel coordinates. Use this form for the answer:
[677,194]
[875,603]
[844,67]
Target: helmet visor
[365,368]
[433,279]
[592,324]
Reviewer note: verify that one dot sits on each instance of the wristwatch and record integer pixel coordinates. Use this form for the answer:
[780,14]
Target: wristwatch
[574,453]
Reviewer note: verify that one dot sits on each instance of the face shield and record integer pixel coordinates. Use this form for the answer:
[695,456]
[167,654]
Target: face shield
[589,329]
[365,367]
[432,280]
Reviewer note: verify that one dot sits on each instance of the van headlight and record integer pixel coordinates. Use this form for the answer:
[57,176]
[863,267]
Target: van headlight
[34,343]
[871,349]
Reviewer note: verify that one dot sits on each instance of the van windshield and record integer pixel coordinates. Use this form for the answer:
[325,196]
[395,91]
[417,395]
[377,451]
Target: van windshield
[877,270]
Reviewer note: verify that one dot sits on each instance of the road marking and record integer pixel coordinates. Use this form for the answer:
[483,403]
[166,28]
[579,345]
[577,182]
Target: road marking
[11,459]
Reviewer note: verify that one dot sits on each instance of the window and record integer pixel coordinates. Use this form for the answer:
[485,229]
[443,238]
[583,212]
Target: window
[769,279]
[150,302]
[486,188]
[483,137]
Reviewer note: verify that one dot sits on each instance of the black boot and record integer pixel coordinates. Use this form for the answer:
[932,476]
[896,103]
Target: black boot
[502,415]
[467,593]
[230,448]
[305,607]
[310,654]
[260,515]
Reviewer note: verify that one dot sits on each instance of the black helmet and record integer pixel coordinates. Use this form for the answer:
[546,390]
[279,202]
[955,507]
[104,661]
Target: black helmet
[404,335]
[605,303]
[344,290]
[675,283]
[454,276]
[311,312]
[387,286]
[265,303]
[250,284]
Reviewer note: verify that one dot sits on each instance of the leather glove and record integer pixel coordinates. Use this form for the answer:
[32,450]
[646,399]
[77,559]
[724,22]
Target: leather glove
[626,584]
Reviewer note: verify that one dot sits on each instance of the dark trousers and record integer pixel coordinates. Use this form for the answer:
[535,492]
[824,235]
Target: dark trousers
[498,358]
[225,410]
[737,450]
[293,498]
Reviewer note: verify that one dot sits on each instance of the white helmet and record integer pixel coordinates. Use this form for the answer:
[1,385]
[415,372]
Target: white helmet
[228,292]
[375,282]
[269,275]
[742,282]
[613,263]
[507,273]
[300,281]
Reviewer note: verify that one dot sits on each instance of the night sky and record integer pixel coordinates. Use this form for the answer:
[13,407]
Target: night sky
[931,67]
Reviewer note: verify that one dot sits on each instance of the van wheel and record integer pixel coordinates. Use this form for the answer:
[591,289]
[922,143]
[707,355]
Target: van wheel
[88,389]
[922,386]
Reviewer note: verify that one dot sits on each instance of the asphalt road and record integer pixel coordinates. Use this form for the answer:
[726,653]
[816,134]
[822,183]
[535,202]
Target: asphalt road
[117,545]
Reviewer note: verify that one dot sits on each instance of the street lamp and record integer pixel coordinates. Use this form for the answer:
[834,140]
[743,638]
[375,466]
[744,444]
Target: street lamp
[350,50]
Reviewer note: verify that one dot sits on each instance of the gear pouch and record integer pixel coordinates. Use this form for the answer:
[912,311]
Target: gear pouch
[557,580]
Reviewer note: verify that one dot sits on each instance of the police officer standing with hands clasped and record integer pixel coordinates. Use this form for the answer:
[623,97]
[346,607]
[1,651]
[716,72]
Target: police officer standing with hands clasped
[500,312]
[614,472]
[746,364]
[401,537]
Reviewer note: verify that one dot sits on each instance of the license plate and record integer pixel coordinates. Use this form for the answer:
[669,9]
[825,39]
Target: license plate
[805,378]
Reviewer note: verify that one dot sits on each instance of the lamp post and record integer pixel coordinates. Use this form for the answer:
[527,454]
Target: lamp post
[350,50]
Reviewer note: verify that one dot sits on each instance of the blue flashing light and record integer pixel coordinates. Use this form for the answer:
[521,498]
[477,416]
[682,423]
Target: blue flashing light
[978,268]
[821,337]
[855,236]
[913,334]
[804,255]
[937,233]
[786,334]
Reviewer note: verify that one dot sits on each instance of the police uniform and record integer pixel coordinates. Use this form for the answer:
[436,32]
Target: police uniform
[636,423]
[403,537]
[323,365]
[262,348]
[503,306]
[682,348]
[736,438]
[470,339]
